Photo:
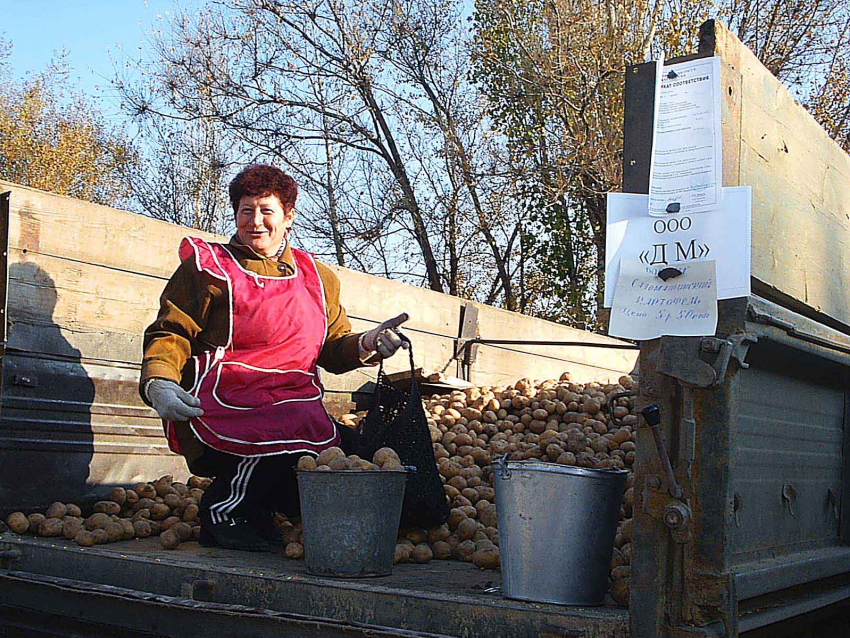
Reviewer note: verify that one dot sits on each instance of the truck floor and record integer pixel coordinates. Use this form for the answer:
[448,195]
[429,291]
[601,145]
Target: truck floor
[152,591]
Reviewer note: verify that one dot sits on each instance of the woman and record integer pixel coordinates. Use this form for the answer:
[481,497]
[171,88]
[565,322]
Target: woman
[230,361]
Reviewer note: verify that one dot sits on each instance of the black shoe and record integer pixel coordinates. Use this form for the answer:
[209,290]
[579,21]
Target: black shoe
[262,522]
[235,533]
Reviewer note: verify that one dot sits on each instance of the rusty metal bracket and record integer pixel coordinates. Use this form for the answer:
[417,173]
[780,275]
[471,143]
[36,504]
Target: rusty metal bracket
[658,503]
[682,358]
[465,351]
[679,358]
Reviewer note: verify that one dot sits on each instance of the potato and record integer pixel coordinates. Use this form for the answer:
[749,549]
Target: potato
[323,468]
[440,533]
[18,523]
[294,551]
[114,531]
[142,528]
[143,504]
[383,455]
[169,522]
[73,510]
[146,490]
[486,558]
[455,517]
[466,529]
[307,463]
[127,527]
[118,495]
[329,455]
[620,592]
[488,516]
[35,521]
[422,553]
[142,514]
[56,510]
[84,538]
[173,501]
[466,550]
[190,513]
[392,464]
[159,511]
[402,553]
[163,485]
[101,536]
[442,550]
[183,530]
[169,539]
[107,507]
[339,464]
[50,527]
[196,532]
[156,528]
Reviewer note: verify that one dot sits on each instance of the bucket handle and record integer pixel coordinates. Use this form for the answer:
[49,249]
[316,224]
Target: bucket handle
[502,462]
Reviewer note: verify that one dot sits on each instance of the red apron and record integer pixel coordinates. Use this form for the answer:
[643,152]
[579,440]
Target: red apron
[261,393]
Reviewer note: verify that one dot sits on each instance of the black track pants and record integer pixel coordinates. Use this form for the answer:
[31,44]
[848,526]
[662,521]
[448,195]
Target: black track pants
[245,485]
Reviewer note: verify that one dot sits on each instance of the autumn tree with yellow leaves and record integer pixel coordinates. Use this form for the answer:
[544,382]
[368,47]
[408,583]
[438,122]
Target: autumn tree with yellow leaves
[51,138]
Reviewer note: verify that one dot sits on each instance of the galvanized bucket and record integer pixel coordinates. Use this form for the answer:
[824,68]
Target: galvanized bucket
[350,521]
[556,530]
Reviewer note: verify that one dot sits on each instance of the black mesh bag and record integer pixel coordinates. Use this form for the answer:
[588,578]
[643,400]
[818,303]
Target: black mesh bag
[397,420]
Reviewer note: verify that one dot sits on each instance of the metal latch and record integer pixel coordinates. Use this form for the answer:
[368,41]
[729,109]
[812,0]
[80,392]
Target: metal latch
[652,415]
[834,501]
[789,494]
[680,358]
[26,380]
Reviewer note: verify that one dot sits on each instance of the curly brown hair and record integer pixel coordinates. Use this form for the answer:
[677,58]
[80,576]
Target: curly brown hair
[262,180]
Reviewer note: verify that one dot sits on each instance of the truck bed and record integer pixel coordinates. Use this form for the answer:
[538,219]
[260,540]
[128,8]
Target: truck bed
[135,588]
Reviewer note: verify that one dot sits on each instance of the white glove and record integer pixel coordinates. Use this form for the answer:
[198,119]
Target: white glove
[384,339]
[171,402]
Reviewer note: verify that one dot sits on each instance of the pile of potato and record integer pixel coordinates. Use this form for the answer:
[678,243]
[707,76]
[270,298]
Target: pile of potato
[556,421]
[334,459]
[164,508]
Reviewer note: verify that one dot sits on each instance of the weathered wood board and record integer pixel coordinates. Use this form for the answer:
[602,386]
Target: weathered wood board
[85,281]
[801,188]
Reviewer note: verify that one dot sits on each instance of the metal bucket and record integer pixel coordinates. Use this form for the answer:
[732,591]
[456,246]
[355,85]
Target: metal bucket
[556,530]
[351,521]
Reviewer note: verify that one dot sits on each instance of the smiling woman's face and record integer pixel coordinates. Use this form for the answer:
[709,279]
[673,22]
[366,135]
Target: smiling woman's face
[262,222]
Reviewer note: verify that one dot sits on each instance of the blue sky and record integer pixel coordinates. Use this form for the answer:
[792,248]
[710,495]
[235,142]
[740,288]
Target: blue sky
[93,31]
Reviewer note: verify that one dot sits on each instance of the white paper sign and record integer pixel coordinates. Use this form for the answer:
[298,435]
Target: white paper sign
[687,160]
[645,307]
[654,242]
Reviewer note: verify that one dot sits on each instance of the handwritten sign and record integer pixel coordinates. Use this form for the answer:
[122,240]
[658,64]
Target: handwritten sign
[645,307]
[686,172]
[657,242]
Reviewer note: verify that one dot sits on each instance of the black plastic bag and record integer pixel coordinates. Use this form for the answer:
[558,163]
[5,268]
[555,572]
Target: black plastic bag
[397,420]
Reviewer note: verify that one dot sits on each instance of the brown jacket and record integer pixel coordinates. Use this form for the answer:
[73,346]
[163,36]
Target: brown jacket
[194,316]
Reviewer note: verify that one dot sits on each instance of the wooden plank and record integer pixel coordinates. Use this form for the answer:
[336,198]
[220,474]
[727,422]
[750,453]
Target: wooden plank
[71,297]
[496,323]
[67,227]
[801,189]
